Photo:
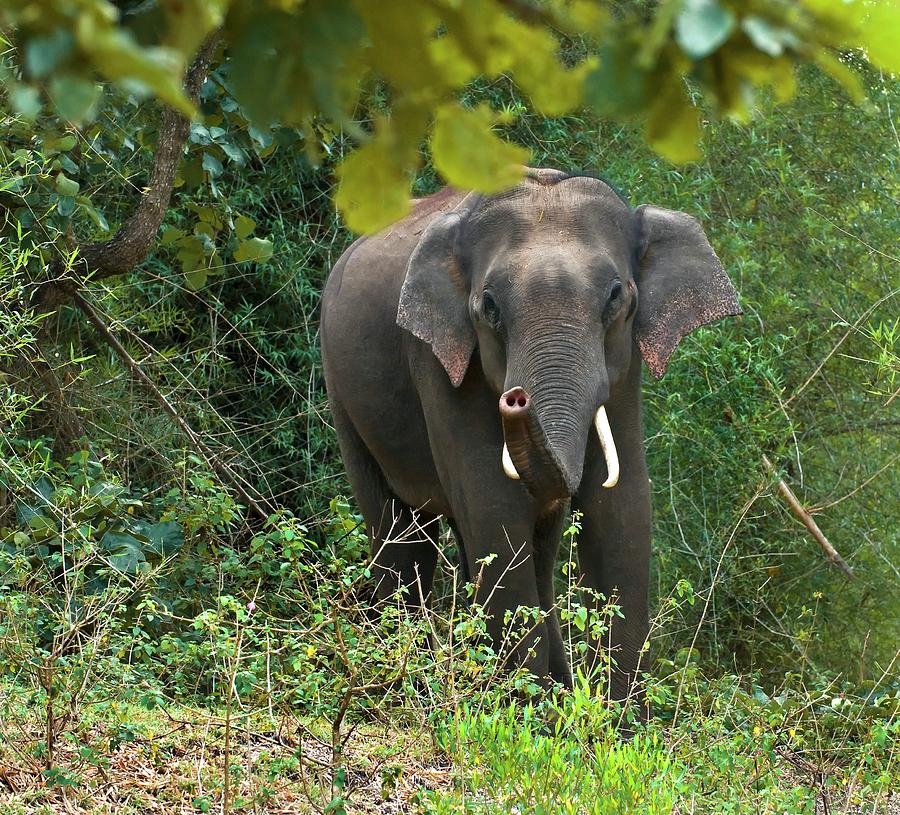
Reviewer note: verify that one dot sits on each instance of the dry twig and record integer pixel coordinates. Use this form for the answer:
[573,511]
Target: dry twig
[808,521]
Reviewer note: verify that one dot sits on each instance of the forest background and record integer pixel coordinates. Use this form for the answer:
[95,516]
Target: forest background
[185,616]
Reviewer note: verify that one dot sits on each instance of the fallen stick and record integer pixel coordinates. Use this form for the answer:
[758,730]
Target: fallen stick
[809,522]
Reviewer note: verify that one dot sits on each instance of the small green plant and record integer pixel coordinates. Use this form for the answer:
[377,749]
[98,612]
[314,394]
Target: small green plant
[73,569]
[565,756]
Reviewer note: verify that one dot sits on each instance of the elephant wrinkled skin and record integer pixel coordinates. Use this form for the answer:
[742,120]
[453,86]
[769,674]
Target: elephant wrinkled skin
[474,352]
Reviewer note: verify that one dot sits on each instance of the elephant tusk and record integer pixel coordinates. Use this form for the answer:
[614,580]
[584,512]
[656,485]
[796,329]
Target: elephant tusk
[601,422]
[508,467]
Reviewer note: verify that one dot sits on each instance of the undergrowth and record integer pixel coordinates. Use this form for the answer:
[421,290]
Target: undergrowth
[126,621]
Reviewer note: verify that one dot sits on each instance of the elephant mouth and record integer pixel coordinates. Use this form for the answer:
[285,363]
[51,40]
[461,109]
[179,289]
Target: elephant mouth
[529,456]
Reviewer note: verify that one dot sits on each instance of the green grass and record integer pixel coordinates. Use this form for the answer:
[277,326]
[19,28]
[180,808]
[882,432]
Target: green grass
[738,755]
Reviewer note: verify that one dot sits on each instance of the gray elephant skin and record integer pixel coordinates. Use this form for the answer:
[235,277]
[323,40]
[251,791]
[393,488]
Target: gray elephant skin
[483,363]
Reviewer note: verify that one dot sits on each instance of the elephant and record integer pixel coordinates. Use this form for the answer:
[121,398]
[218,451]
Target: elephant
[472,350]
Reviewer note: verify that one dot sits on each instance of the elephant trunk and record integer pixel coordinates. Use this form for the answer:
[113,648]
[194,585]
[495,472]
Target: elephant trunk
[526,451]
[548,416]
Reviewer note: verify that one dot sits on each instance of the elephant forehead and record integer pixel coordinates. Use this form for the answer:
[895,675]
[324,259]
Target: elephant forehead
[553,256]
[582,215]
[550,293]
[569,266]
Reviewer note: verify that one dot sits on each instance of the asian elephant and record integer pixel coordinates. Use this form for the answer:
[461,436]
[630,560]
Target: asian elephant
[482,359]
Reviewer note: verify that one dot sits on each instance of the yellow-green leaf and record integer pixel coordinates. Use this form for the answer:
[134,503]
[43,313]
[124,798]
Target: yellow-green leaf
[243,226]
[850,80]
[196,279]
[881,34]
[374,188]
[66,186]
[75,97]
[672,128]
[258,250]
[189,21]
[119,57]
[469,155]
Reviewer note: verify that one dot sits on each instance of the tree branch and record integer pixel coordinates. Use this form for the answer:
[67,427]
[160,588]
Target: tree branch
[135,238]
[208,455]
[808,521]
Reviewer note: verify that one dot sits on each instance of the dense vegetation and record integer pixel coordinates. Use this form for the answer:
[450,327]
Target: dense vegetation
[185,616]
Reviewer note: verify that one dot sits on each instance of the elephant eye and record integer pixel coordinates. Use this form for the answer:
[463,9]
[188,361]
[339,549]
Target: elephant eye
[614,301]
[615,293]
[490,310]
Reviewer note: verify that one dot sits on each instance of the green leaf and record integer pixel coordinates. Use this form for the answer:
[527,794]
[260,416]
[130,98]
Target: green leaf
[258,250]
[93,213]
[618,87]
[192,254]
[880,28]
[43,54]
[59,144]
[120,58]
[66,205]
[374,188]
[26,101]
[265,69]
[163,538]
[212,165]
[469,155]
[209,215]
[66,186]
[766,37]
[233,152]
[44,488]
[261,138]
[334,40]
[170,234]
[672,128]
[243,226]
[191,172]
[40,495]
[702,26]
[41,523]
[75,97]
[124,551]
[196,278]
[850,80]
[189,21]
[375,179]
[202,228]
[579,618]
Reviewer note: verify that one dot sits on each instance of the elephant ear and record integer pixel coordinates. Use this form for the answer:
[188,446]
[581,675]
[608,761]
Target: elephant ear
[681,284]
[434,298]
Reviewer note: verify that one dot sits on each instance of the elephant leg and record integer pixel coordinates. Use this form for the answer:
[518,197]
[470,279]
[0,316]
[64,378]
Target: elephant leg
[403,541]
[500,559]
[547,533]
[546,637]
[614,548]
[461,549]
[405,552]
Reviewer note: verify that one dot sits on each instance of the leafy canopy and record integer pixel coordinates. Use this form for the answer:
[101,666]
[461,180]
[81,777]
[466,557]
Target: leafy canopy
[307,64]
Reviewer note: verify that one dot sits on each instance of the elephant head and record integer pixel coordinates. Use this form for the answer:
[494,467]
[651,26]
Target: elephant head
[554,281]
